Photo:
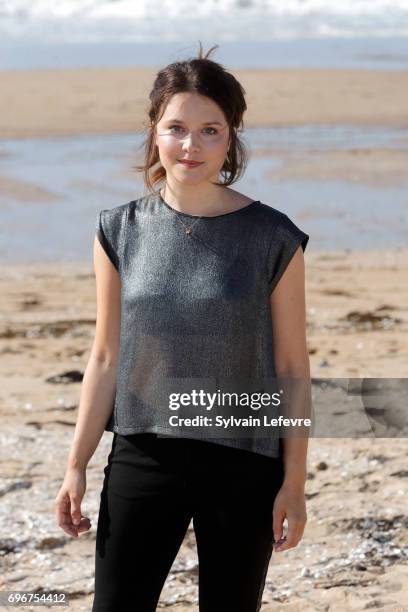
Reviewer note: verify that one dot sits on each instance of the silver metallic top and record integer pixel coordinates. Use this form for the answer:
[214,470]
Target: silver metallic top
[195,313]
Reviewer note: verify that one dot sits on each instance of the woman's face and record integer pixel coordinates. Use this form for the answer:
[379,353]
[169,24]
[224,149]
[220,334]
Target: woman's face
[193,127]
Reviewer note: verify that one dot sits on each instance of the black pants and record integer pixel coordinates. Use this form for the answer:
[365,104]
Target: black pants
[152,489]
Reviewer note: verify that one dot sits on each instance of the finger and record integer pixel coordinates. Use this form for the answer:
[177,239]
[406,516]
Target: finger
[84,525]
[60,506]
[75,511]
[278,519]
[69,529]
[72,531]
[278,531]
[292,535]
[62,503]
[291,539]
[63,512]
[63,518]
[285,546]
[279,544]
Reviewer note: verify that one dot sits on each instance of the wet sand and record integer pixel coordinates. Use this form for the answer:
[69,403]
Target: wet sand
[107,100]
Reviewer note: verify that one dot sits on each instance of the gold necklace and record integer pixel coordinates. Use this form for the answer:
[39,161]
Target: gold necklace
[188,230]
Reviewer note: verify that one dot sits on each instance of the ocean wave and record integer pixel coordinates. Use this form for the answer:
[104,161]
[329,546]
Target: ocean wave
[104,20]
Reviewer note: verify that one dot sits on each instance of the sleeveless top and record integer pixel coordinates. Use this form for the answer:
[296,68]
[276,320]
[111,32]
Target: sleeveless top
[195,314]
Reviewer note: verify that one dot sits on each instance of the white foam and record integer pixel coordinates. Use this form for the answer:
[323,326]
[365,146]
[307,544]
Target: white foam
[97,20]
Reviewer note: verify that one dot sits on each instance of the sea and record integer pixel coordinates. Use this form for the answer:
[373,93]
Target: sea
[72,178]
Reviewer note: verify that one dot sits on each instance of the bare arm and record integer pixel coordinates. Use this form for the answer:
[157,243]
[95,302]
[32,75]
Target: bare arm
[99,382]
[97,395]
[288,306]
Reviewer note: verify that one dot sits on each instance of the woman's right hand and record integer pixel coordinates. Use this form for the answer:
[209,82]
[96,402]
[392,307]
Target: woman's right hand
[67,504]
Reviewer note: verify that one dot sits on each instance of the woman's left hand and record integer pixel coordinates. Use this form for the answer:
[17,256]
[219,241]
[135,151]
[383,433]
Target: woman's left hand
[289,503]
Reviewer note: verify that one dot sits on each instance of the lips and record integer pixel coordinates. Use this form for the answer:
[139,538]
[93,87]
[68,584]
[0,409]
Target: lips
[191,163]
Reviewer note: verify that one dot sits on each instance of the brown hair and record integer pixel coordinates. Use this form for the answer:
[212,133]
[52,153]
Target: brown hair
[207,78]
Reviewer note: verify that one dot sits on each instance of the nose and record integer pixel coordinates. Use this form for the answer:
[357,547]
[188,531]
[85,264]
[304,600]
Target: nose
[191,142]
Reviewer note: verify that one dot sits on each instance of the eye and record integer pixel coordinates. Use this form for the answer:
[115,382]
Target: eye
[178,129]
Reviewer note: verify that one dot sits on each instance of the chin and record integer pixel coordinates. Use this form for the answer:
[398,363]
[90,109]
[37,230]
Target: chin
[187,179]
[193,177]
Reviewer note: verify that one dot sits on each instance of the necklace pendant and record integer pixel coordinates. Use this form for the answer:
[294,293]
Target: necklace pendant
[188,230]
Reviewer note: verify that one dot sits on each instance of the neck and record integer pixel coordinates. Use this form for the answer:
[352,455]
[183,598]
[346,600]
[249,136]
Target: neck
[205,201]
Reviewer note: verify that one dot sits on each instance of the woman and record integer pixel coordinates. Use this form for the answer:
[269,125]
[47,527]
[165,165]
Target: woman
[198,287]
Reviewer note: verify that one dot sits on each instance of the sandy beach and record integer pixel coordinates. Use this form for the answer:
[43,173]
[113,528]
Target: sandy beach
[354,554]
[75,101]
[357,323]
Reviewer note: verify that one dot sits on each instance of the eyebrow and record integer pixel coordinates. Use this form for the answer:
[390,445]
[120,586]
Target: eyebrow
[205,123]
